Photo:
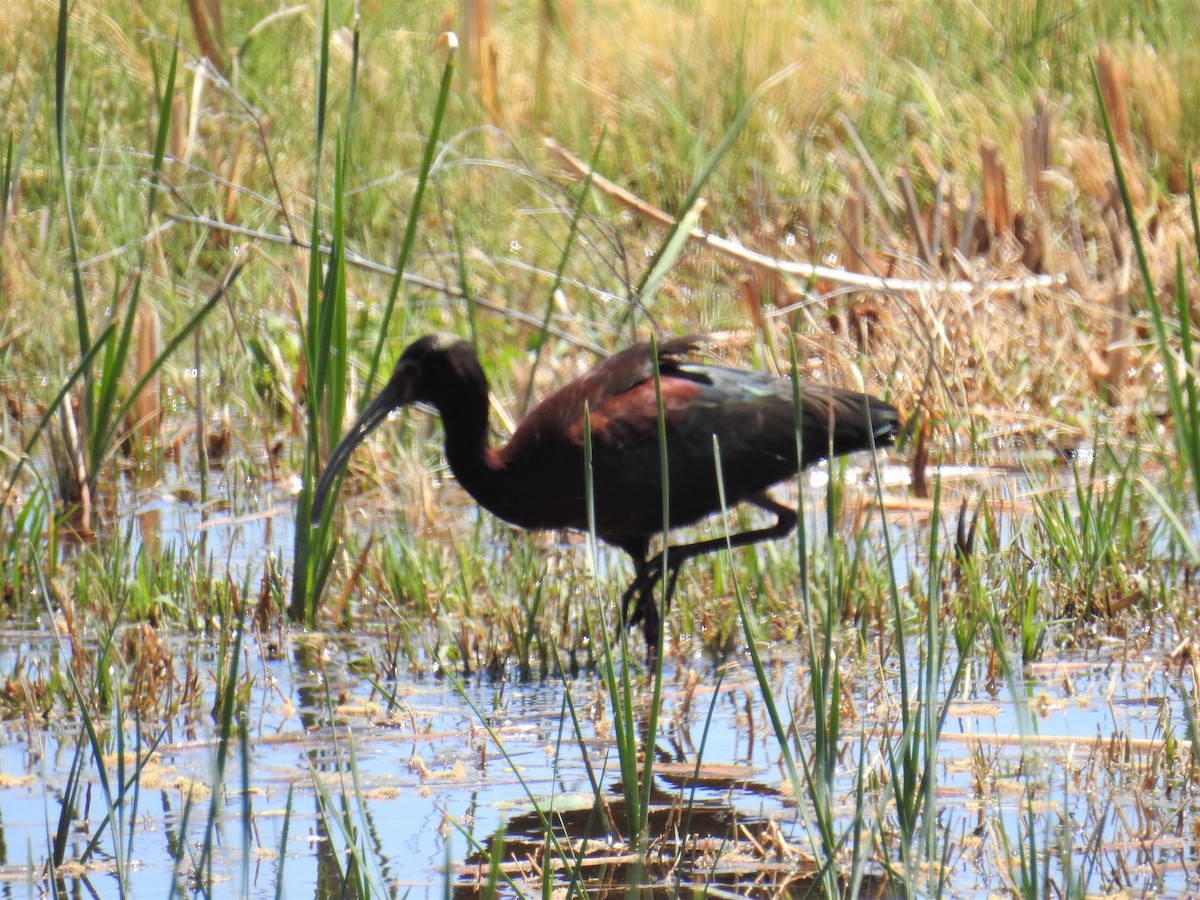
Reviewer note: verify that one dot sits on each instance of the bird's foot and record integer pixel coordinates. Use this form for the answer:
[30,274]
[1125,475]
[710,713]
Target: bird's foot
[638,604]
[651,657]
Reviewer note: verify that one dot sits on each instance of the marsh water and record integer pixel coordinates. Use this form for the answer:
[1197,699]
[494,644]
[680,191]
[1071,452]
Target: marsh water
[426,770]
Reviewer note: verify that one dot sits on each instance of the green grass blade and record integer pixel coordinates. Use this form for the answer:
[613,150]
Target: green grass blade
[325,357]
[322,94]
[1194,209]
[414,212]
[314,548]
[678,234]
[283,842]
[189,327]
[551,294]
[60,129]
[166,104]
[13,167]
[1185,424]
[52,408]
[230,703]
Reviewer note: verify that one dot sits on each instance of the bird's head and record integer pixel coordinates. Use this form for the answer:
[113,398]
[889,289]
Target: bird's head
[437,369]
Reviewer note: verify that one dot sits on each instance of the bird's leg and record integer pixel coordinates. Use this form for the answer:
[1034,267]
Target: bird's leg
[647,575]
[672,577]
[642,580]
[645,610]
[651,623]
[650,572]
[785,521]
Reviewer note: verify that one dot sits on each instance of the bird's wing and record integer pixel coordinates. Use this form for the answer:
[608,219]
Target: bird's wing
[617,384]
[622,371]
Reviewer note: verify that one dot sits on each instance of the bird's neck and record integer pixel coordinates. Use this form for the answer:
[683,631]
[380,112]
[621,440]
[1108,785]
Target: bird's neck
[475,463]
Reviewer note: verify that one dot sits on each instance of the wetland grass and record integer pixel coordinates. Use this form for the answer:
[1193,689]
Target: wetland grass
[879,708]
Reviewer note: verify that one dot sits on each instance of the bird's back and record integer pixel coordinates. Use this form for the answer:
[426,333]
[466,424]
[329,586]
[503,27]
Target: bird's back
[744,416]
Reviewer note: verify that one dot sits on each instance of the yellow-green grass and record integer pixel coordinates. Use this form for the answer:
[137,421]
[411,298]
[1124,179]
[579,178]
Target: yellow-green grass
[1069,368]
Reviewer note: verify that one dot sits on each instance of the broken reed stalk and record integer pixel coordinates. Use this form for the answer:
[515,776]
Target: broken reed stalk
[1037,144]
[479,45]
[924,251]
[1114,89]
[854,224]
[147,406]
[72,467]
[208,25]
[995,190]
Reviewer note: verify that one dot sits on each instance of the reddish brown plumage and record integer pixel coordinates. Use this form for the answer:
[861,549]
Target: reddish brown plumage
[537,480]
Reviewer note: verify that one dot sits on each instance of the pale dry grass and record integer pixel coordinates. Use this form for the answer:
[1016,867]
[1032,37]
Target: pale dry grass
[661,81]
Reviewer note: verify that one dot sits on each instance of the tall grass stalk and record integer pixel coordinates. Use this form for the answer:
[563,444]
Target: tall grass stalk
[618,679]
[820,766]
[912,757]
[1180,374]
[247,822]
[230,721]
[414,210]
[666,581]
[14,158]
[576,885]
[325,341]
[104,411]
[618,684]
[325,365]
[818,815]
[130,787]
[358,869]
[283,842]
[637,784]
[83,331]
[495,856]
[691,800]
[67,800]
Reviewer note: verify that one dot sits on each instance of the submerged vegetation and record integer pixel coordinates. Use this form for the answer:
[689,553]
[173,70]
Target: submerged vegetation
[971,670]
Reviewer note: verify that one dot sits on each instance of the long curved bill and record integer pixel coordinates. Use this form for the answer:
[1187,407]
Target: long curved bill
[388,399]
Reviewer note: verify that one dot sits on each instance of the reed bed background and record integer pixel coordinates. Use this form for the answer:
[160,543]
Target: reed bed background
[221,223]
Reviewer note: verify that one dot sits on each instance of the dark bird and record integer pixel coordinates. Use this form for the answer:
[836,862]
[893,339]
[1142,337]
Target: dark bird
[537,479]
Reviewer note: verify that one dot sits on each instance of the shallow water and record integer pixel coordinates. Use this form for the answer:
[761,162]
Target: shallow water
[433,780]
[426,770]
